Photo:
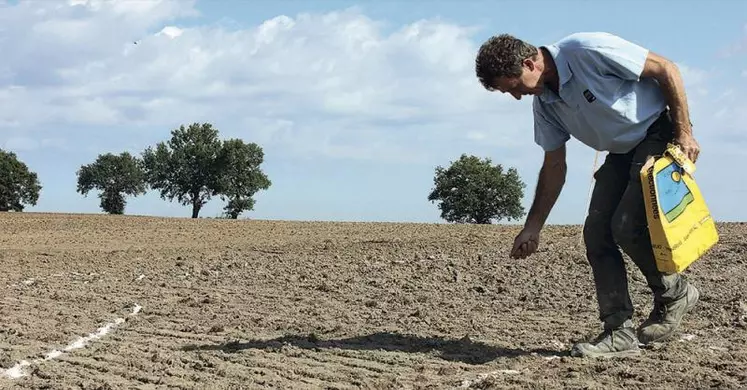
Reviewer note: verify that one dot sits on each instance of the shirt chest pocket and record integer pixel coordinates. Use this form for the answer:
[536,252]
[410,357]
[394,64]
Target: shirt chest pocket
[573,96]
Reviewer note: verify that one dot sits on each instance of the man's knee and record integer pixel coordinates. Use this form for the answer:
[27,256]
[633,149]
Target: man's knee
[596,232]
[626,229]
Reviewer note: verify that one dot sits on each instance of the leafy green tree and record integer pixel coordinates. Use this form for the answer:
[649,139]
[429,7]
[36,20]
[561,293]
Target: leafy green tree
[472,190]
[18,185]
[240,175]
[116,176]
[185,168]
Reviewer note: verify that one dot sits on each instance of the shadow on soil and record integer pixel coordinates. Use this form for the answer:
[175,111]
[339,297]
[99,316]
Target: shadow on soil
[463,350]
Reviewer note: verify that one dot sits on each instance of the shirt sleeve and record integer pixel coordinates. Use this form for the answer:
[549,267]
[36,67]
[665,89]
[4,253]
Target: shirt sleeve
[547,132]
[614,55]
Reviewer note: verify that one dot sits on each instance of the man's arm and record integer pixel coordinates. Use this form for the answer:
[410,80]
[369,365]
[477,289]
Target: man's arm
[550,183]
[670,80]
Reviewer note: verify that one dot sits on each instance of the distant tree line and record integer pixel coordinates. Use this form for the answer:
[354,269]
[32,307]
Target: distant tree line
[192,167]
[195,165]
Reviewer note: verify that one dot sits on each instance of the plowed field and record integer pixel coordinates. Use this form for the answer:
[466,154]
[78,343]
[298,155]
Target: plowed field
[121,302]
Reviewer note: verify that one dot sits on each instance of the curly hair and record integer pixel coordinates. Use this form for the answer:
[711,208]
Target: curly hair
[501,56]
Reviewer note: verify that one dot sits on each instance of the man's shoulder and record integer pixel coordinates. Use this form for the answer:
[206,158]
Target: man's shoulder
[585,40]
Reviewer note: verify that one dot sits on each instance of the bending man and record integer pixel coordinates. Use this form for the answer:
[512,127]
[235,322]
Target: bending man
[614,96]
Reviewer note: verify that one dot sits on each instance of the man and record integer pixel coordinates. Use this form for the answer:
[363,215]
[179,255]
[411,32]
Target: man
[615,96]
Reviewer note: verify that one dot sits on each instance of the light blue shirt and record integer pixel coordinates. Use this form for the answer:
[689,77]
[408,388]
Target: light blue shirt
[602,100]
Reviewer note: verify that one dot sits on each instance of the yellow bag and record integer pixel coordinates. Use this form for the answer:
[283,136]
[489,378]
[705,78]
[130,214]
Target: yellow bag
[680,225]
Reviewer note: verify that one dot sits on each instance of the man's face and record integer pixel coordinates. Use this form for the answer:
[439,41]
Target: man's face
[529,83]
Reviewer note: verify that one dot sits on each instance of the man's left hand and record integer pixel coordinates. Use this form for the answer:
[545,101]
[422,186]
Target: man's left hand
[689,146]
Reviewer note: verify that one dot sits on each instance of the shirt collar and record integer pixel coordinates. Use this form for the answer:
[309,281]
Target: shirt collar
[564,73]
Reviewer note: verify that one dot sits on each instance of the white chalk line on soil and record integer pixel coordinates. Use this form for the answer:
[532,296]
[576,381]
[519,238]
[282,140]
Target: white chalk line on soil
[481,377]
[18,371]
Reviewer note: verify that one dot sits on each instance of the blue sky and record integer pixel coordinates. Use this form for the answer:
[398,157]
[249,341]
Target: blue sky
[354,103]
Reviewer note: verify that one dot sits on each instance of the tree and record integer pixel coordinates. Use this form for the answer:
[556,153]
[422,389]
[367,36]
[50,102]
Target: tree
[240,175]
[185,168]
[116,176]
[18,185]
[472,190]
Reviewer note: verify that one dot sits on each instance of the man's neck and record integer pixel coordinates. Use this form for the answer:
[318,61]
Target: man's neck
[550,73]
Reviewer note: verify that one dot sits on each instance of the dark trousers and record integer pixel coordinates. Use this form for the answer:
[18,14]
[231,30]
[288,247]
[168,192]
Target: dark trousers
[617,217]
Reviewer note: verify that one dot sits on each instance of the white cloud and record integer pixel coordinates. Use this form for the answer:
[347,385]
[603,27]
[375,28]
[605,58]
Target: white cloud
[692,76]
[737,47]
[20,143]
[476,135]
[171,31]
[695,80]
[333,84]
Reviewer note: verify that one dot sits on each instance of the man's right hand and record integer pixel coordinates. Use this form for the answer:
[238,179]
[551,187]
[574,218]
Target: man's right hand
[526,243]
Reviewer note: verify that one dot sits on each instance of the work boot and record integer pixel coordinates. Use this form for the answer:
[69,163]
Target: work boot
[618,342]
[665,318]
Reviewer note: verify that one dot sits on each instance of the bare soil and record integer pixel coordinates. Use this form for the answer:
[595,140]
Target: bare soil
[264,304]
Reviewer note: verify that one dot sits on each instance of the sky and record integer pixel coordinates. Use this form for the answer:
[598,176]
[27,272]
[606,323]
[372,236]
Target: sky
[353,103]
